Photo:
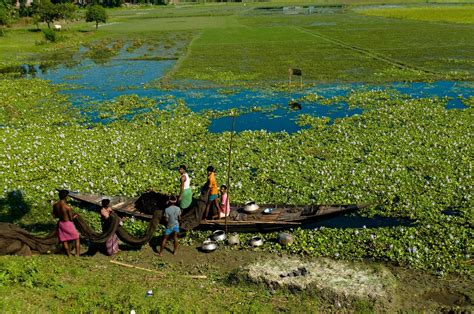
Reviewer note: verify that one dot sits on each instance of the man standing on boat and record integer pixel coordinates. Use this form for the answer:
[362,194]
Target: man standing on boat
[185,194]
[212,192]
[66,229]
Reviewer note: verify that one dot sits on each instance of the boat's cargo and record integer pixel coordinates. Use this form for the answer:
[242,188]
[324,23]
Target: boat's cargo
[268,211]
[251,207]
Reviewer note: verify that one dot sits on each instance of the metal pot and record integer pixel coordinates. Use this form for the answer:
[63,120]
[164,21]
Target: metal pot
[267,211]
[251,207]
[218,235]
[233,239]
[209,246]
[256,241]
[285,238]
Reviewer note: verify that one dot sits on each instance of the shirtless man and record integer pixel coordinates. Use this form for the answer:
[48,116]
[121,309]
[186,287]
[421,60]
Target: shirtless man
[66,229]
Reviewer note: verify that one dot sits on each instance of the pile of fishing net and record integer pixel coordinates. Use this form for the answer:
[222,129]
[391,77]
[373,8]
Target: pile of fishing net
[17,241]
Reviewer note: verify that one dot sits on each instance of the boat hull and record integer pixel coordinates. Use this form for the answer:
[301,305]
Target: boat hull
[281,217]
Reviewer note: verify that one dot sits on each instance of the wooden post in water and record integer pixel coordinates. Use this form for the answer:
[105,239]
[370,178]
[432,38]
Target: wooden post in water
[296,72]
[229,162]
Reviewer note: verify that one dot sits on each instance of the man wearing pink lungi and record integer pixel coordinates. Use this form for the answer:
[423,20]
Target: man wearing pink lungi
[66,229]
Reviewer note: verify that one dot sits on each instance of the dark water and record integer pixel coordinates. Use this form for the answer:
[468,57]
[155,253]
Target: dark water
[355,221]
[99,81]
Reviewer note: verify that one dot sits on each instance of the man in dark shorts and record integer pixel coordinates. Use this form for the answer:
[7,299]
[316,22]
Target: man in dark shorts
[66,229]
[172,216]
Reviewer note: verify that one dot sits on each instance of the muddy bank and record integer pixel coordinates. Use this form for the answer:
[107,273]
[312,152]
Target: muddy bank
[335,284]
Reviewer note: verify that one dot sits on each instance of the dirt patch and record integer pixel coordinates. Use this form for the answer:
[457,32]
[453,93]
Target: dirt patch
[339,282]
[337,285]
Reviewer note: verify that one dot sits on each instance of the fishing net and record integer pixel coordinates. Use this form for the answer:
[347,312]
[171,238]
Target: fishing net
[17,241]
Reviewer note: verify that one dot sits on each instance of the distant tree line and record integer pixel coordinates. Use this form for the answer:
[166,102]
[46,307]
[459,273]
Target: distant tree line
[49,11]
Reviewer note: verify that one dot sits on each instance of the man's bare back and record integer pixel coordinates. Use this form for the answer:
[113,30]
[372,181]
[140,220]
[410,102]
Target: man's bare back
[62,211]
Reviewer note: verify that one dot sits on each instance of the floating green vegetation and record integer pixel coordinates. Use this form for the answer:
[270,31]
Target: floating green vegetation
[409,157]
[27,101]
[136,43]
[314,122]
[101,51]
[120,107]
[469,102]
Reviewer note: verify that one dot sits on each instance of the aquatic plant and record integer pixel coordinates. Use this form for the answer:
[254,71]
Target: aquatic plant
[409,157]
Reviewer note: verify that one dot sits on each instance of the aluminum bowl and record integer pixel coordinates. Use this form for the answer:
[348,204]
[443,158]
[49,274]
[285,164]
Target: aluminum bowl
[209,246]
[256,241]
[251,207]
[218,235]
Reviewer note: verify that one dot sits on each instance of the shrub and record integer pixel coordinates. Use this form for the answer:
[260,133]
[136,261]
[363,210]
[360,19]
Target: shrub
[50,35]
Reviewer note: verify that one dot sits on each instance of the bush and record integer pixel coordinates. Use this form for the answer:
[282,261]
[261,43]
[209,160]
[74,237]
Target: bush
[50,35]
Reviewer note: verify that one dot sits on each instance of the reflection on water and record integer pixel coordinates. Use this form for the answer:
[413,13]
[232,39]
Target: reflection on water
[95,82]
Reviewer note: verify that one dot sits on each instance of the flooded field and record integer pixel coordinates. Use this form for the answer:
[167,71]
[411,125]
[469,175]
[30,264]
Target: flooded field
[88,81]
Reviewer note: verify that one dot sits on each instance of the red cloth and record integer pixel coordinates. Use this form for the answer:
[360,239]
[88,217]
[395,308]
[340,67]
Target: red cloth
[67,231]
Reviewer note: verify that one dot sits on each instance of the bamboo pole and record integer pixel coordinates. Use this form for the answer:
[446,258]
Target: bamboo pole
[229,164]
[154,271]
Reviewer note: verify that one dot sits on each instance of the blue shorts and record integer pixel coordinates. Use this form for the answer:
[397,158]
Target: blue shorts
[169,231]
[212,197]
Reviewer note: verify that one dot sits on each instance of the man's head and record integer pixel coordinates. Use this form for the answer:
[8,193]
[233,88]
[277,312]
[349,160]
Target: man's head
[63,194]
[210,169]
[182,169]
[105,202]
[172,199]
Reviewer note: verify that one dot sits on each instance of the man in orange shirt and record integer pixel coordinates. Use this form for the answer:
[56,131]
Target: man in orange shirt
[212,191]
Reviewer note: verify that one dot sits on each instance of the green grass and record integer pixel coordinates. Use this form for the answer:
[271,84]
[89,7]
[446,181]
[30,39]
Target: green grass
[235,43]
[342,46]
[265,54]
[58,284]
[455,14]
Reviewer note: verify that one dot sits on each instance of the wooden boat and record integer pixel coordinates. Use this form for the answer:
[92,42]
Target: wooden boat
[281,216]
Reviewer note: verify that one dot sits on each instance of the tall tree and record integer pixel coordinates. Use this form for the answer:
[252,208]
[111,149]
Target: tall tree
[5,15]
[67,11]
[48,12]
[96,13]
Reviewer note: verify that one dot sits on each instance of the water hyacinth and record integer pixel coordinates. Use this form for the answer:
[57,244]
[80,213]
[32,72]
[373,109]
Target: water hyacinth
[406,156]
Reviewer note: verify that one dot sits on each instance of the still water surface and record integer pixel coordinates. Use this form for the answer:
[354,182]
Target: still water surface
[96,82]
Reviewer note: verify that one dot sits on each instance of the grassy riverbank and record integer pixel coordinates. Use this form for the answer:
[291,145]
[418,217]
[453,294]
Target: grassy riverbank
[61,284]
